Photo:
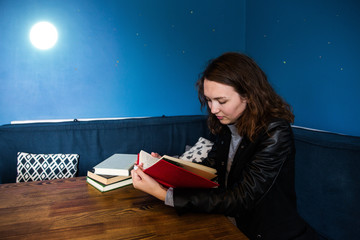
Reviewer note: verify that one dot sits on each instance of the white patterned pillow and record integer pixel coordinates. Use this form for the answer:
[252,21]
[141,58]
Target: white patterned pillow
[35,167]
[199,151]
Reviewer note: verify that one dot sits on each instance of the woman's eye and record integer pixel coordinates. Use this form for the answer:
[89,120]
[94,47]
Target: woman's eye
[222,102]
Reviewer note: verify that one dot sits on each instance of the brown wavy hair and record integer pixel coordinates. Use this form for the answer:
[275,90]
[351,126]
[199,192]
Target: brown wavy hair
[245,76]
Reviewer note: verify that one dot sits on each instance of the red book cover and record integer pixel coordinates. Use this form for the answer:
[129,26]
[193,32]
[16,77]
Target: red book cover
[171,175]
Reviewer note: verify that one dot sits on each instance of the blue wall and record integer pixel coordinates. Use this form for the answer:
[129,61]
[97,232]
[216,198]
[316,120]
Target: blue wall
[113,58]
[311,53]
[142,58]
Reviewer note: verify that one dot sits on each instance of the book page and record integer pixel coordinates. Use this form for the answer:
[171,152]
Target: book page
[203,171]
[184,163]
[147,159]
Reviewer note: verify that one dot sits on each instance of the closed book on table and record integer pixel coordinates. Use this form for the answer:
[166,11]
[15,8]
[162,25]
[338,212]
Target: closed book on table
[104,188]
[118,165]
[177,173]
[105,179]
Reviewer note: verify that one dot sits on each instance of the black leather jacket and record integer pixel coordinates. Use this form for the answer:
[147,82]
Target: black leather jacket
[260,191]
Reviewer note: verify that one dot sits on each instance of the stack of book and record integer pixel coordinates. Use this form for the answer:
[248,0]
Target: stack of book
[112,173]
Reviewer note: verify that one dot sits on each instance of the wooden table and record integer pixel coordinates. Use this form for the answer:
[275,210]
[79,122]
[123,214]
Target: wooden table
[72,209]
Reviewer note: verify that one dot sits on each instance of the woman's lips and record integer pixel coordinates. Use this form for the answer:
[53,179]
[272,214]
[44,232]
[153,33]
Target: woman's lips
[219,117]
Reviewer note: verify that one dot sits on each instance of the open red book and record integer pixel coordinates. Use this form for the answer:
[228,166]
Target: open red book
[177,173]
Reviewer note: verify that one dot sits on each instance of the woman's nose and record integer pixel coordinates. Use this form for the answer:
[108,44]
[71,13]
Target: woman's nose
[214,108]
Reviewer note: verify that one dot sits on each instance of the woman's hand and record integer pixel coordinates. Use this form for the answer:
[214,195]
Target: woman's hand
[147,184]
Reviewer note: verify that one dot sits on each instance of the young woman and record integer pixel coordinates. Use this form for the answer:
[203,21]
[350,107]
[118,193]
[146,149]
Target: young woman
[254,154]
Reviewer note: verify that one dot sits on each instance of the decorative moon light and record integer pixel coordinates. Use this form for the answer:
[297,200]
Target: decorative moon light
[43,35]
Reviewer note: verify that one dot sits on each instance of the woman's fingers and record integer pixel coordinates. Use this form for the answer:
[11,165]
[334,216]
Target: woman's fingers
[154,154]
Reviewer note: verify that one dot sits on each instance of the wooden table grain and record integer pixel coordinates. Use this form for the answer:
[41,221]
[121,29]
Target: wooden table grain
[72,209]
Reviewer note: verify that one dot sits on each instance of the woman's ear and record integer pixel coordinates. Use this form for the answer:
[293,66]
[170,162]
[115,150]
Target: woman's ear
[245,99]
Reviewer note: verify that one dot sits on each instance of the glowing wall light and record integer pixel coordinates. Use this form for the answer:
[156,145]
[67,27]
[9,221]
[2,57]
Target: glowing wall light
[43,35]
